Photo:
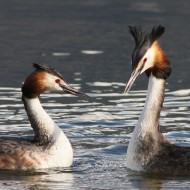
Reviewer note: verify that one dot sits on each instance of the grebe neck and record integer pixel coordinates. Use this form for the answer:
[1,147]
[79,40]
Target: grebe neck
[149,118]
[46,131]
[147,131]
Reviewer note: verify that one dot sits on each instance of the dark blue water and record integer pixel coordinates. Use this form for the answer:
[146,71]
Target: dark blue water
[88,42]
[32,31]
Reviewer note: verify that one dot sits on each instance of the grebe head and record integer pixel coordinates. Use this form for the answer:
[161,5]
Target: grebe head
[46,78]
[148,55]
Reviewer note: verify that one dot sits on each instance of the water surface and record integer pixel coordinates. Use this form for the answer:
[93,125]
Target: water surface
[99,131]
[88,42]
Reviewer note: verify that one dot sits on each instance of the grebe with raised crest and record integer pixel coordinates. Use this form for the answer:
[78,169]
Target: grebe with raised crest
[50,146]
[148,149]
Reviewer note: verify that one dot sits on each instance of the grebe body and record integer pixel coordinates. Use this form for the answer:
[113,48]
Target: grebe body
[148,149]
[50,146]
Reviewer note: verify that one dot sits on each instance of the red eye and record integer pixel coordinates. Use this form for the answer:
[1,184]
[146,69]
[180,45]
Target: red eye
[145,59]
[57,81]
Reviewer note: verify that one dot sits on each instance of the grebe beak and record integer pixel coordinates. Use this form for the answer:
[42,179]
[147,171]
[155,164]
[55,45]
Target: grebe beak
[70,90]
[132,79]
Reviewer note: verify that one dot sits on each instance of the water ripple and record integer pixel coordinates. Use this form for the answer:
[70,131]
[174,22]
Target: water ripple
[99,130]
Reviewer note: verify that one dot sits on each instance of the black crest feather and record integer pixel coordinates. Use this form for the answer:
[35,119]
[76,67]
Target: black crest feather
[157,31]
[141,37]
[137,33]
[143,40]
[48,69]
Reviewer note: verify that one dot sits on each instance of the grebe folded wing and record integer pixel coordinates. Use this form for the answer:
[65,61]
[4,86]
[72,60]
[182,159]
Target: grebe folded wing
[18,154]
[170,159]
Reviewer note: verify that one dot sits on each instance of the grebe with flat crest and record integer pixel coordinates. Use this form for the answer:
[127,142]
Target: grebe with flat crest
[148,149]
[50,147]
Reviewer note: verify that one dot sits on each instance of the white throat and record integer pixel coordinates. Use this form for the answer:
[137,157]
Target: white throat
[147,128]
[41,122]
[57,149]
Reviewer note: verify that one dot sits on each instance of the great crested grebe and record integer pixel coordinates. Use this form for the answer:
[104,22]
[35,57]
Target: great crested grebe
[50,147]
[148,150]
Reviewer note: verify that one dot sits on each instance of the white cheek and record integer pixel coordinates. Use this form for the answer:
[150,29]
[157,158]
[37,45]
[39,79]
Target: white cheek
[52,85]
[150,59]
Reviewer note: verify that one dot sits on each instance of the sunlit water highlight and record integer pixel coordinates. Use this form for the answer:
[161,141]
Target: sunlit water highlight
[99,130]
